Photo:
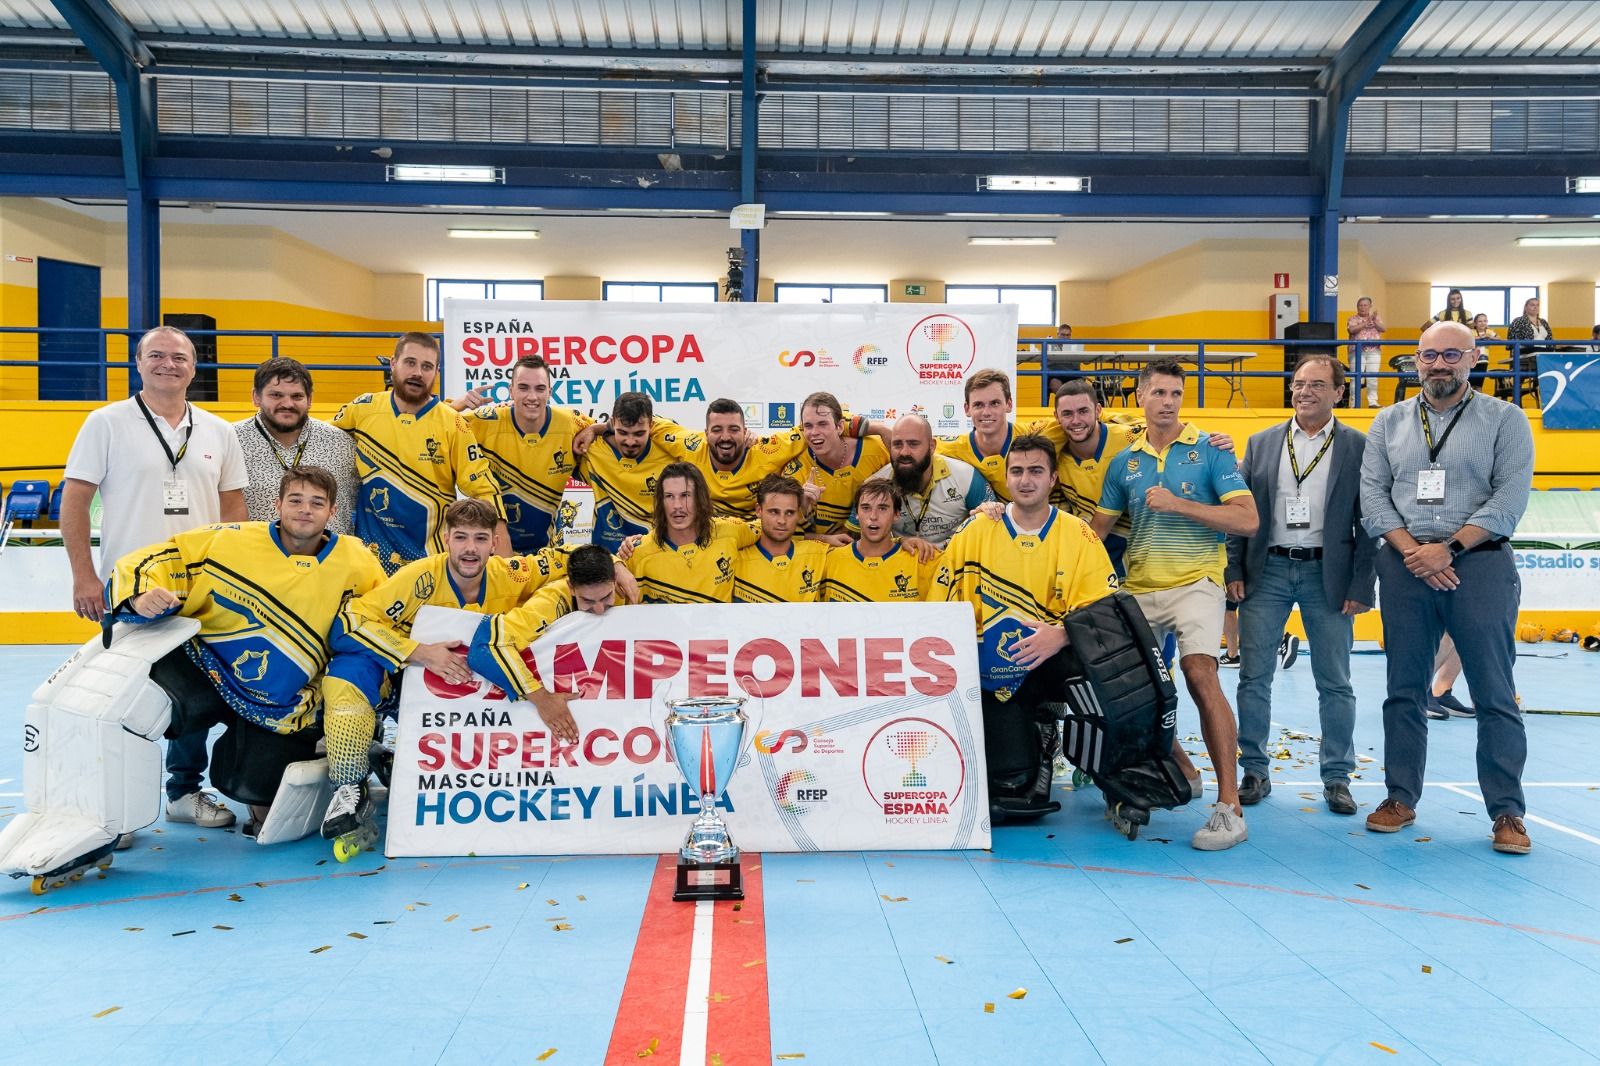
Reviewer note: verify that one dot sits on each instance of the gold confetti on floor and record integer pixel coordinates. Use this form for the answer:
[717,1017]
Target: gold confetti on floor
[583,899]
[1017,993]
[224,928]
[133,929]
[754,962]
[892,899]
[1309,810]
[941,958]
[805,881]
[988,1008]
[186,932]
[108,1010]
[1423,840]
[560,918]
[561,927]
[1367,888]
[650,1048]
[235,898]
[545,1057]
[738,906]
[1427,969]
[319,951]
[1124,940]
[791,1056]
[553,903]
[356,936]
[715,1059]
[522,886]
[1383,1047]
[479,928]
[452,917]
[717,997]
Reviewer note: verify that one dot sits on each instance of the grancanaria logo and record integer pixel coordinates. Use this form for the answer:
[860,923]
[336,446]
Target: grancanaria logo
[250,667]
[790,788]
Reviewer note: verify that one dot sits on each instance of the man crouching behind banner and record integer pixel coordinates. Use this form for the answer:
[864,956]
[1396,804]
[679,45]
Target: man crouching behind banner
[1022,575]
[265,595]
[500,641]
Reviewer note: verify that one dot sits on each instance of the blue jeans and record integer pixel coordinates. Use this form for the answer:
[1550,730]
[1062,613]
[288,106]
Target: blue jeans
[1282,584]
[186,762]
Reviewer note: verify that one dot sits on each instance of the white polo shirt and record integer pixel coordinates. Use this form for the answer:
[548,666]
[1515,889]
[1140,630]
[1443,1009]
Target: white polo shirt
[117,450]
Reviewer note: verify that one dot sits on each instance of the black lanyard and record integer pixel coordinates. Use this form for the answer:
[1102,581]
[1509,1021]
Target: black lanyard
[1294,460]
[161,439]
[273,446]
[927,501]
[1427,430]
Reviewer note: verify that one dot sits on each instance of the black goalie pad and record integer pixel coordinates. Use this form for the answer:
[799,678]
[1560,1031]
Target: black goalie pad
[1117,704]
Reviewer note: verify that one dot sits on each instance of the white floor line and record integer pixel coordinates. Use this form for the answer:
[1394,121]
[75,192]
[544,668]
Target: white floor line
[1534,818]
[697,997]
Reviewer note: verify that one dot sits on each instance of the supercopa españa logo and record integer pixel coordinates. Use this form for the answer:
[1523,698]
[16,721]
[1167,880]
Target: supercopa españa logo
[941,349]
[914,770]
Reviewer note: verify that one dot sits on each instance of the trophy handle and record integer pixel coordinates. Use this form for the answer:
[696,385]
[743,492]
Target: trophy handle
[748,683]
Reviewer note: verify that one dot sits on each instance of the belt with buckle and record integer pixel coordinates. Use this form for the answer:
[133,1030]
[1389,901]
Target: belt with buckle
[1299,555]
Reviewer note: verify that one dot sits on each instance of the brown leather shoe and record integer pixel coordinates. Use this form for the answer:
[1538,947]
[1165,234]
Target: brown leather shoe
[1511,836]
[1390,817]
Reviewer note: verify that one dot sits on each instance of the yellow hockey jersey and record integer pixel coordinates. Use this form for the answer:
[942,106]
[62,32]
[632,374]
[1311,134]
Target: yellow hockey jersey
[264,613]
[793,577]
[530,465]
[410,467]
[866,456]
[993,465]
[733,492]
[691,574]
[624,489]
[501,641]
[1079,481]
[1007,575]
[894,577]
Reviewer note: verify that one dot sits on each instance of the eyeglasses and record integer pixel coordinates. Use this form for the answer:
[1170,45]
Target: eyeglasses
[1449,355]
[1313,386]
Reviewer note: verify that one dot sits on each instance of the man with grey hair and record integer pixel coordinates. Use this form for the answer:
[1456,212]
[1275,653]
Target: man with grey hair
[1444,482]
[161,467]
[939,491]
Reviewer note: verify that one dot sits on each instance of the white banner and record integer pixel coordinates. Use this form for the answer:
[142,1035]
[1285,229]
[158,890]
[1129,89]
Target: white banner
[866,735]
[881,360]
[1558,579]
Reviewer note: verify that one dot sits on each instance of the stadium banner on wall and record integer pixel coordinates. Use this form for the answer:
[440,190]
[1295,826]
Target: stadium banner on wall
[1558,579]
[881,360]
[1569,391]
[866,735]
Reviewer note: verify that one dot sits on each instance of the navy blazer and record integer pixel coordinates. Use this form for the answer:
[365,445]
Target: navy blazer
[1347,550]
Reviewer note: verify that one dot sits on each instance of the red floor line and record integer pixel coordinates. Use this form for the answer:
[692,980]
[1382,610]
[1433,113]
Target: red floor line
[650,1015]
[739,1028]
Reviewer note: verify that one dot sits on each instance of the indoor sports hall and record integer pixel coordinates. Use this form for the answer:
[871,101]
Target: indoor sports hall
[769,201]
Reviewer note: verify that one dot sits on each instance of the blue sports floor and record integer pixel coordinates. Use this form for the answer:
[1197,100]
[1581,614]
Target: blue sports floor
[1314,942]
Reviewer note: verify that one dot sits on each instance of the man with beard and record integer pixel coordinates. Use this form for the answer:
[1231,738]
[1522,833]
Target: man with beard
[938,492]
[622,468]
[529,445]
[1081,466]
[833,466]
[412,453]
[1444,482]
[282,434]
[778,568]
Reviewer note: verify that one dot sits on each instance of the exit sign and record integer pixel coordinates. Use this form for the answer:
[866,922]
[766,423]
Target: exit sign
[916,290]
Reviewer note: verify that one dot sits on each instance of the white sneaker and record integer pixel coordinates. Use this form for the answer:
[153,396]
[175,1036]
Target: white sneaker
[1222,830]
[201,808]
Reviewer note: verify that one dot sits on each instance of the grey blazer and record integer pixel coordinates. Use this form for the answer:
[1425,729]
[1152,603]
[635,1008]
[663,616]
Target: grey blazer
[1347,550]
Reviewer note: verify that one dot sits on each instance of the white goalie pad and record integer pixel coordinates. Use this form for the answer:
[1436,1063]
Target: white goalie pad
[91,767]
[301,801]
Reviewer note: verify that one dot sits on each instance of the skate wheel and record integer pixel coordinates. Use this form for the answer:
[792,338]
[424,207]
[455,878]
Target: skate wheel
[1079,779]
[38,887]
[344,850]
[1130,830]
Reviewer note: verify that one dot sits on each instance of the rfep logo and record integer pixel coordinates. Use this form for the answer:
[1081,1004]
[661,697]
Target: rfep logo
[868,358]
[914,770]
[941,348]
[796,792]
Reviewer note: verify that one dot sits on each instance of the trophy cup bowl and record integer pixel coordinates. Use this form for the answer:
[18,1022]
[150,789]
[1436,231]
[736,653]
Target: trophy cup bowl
[707,734]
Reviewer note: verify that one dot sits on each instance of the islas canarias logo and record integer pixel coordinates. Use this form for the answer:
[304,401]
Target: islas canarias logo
[941,349]
[914,770]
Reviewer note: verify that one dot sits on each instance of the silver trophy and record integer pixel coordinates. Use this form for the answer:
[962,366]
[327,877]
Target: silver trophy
[707,734]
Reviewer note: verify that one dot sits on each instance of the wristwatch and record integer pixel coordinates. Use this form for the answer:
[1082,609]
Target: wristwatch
[1455,546]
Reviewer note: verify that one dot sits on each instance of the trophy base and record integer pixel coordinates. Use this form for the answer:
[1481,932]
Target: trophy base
[708,880]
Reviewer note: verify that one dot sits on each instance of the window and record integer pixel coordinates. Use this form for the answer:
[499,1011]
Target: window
[1500,303]
[442,289]
[832,294]
[1036,304]
[661,292]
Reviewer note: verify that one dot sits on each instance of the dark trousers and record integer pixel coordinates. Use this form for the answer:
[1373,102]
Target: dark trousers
[1480,616]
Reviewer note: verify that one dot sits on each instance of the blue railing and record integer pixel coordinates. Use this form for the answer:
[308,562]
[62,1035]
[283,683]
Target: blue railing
[1214,361]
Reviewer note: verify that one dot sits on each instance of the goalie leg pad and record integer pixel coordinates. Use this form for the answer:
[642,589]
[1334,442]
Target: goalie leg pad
[301,801]
[91,768]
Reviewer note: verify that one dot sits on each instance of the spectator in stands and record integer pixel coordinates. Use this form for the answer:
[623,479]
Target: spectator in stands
[1455,310]
[938,491]
[1310,551]
[1444,482]
[281,434]
[1367,325]
[1529,326]
[162,467]
[1480,328]
[1064,352]
[1594,338]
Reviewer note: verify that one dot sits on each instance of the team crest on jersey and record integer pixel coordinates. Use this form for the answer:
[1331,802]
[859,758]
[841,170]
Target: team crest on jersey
[902,583]
[558,462]
[513,510]
[433,455]
[650,485]
[724,567]
[378,500]
[1006,645]
[1188,488]
[250,667]
[1194,455]
[424,587]
[1133,466]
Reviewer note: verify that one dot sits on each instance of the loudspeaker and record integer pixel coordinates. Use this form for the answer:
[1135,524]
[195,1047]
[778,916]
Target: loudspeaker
[1292,354]
[203,389]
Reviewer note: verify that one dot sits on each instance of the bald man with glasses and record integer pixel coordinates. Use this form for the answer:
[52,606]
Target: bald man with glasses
[1444,482]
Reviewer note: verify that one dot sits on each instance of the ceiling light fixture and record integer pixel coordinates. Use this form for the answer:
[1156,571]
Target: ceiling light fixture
[1026,241]
[494,234]
[1583,184]
[1560,242]
[473,175]
[1032,183]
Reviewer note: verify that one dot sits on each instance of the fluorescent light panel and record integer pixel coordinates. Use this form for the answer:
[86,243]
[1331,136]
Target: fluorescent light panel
[430,172]
[1560,242]
[1022,240]
[1032,183]
[495,234]
[1583,184]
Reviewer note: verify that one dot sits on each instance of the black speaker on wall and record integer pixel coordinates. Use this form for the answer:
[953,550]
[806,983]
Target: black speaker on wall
[203,389]
[1292,354]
